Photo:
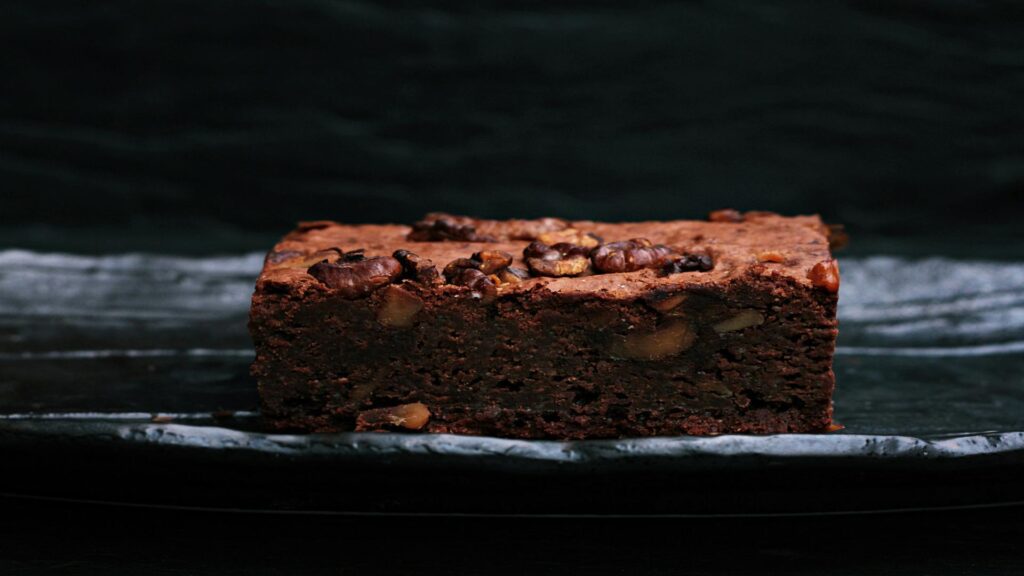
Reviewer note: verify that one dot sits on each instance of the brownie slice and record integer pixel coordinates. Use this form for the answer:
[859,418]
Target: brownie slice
[549,328]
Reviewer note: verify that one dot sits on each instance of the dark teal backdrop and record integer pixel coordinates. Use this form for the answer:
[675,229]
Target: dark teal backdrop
[213,125]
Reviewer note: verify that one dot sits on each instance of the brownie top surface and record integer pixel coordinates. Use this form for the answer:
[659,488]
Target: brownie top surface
[759,243]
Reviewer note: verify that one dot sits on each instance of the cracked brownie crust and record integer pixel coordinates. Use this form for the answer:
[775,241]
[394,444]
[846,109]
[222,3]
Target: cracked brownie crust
[548,328]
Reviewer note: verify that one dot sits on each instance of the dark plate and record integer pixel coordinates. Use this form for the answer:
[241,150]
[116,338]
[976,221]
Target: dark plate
[124,379]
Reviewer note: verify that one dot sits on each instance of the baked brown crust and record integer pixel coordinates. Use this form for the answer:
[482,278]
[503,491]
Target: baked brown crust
[745,346]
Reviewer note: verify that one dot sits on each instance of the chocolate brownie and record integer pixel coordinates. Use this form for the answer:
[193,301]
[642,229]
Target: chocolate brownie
[549,328]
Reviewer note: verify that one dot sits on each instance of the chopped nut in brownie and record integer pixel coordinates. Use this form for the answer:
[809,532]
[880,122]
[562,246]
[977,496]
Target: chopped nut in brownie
[412,416]
[570,236]
[307,225]
[771,256]
[492,261]
[726,215]
[356,255]
[416,268]
[532,229]
[739,321]
[466,272]
[441,227]
[399,307]
[629,255]
[666,303]
[511,275]
[357,276]
[825,275]
[670,339]
[688,263]
[562,259]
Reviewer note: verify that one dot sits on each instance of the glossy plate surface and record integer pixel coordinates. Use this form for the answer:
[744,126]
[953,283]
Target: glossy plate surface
[124,378]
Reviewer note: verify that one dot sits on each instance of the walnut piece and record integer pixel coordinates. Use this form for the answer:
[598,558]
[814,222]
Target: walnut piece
[558,260]
[510,275]
[354,276]
[466,272]
[668,303]
[744,319]
[687,263]
[726,215]
[492,261]
[669,339]
[570,236]
[531,229]
[412,416]
[399,308]
[438,227]
[307,225]
[482,273]
[416,268]
[825,275]
[771,256]
[630,255]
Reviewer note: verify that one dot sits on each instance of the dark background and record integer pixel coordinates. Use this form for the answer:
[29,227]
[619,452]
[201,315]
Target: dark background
[91,540]
[212,126]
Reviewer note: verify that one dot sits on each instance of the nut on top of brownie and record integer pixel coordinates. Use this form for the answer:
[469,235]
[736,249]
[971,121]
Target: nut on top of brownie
[494,257]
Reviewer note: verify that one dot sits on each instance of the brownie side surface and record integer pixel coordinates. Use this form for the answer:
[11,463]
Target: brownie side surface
[744,347]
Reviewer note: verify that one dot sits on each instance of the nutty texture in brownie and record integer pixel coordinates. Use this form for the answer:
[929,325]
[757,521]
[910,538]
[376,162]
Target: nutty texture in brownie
[549,328]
